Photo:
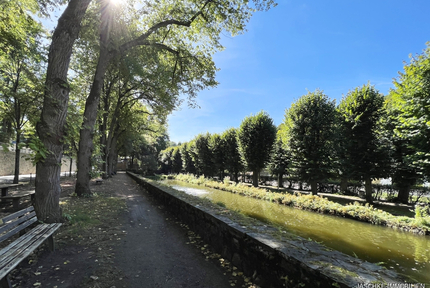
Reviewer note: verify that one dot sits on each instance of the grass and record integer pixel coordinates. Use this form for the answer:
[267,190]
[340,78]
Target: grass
[419,224]
[85,214]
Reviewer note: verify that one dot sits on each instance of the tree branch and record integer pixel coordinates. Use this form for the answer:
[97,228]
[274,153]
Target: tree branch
[143,38]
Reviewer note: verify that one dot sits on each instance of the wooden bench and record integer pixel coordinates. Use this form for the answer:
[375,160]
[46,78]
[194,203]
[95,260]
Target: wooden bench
[4,188]
[15,197]
[22,247]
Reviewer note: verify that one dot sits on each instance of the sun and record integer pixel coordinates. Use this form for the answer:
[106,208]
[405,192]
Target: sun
[116,2]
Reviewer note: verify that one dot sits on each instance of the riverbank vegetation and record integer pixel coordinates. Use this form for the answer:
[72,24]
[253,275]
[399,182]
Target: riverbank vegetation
[419,224]
[366,137]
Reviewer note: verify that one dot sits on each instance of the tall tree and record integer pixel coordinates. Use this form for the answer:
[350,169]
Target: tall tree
[19,67]
[202,156]
[51,127]
[411,102]
[176,160]
[310,123]
[367,149]
[279,161]
[217,146]
[173,28]
[256,135]
[233,159]
[405,174]
[138,123]
[187,157]
[165,159]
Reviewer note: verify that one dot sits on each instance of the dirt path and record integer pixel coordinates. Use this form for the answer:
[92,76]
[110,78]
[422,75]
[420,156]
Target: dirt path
[142,246]
[154,252]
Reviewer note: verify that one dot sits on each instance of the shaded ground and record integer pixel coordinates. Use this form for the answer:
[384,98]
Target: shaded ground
[122,238]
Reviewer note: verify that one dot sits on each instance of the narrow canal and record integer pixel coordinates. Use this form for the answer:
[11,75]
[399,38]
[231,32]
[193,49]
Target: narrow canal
[404,252]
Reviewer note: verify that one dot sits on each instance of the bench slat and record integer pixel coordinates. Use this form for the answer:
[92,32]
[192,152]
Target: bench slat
[12,257]
[23,240]
[18,195]
[17,214]
[19,228]
[10,185]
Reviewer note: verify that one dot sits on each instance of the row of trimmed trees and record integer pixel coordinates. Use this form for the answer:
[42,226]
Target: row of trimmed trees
[367,136]
[235,150]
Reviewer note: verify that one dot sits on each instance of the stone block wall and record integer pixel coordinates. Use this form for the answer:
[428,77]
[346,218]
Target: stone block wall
[7,163]
[268,261]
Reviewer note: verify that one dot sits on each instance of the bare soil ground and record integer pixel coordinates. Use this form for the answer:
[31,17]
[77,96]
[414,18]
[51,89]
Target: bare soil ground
[122,238]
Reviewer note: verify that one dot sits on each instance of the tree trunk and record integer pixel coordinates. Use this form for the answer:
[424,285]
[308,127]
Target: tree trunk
[50,128]
[314,187]
[114,156]
[344,185]
[368,189]
[403,196]
[280,180]
[70,167]
[17,156]
[255,178]
[103,130]
[87,130]
[111,156]
[92,104]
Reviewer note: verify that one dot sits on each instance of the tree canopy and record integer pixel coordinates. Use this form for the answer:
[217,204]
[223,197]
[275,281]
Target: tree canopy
[256,136]
[367,148]
[309,124]
[411,99]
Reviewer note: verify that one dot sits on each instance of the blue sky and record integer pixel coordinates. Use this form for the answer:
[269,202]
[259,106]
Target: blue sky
[300,46]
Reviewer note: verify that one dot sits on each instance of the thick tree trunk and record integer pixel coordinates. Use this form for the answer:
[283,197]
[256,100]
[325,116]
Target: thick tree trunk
[103,138]
[70,167]
[91,106]
[113,156]
[103,132]
[51,126]
[403,196]
[236,177]
[314,187]
[87,131]
[280,180]
[368,189]
[255,178]
[344,185]
[17,157]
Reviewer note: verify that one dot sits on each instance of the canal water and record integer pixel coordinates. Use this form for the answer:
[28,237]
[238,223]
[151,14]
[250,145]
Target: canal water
[406,253]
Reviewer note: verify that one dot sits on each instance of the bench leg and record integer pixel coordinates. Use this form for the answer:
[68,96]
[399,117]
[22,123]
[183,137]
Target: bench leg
[5,282]
[51,243]
[15,203]
[4,191]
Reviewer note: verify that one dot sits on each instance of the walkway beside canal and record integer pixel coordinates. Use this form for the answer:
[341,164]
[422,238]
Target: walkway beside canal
[156,251]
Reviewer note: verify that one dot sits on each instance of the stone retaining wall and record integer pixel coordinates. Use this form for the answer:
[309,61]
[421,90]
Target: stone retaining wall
[7,163]
[270,262]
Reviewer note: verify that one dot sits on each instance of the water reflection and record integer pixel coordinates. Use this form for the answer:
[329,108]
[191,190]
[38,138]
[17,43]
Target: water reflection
[404,252]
